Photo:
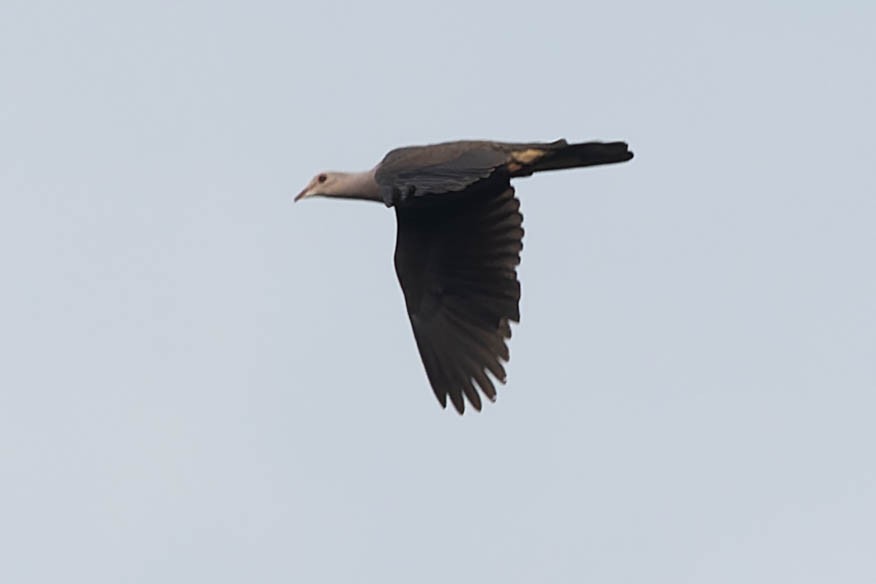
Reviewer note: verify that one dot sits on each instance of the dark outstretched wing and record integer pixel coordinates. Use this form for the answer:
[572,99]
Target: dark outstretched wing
[457,266]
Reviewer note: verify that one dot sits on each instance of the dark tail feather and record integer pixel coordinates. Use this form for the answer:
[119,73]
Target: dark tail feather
[584,154]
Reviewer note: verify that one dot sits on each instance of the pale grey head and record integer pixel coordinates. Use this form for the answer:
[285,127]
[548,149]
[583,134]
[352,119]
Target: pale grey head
[342,185]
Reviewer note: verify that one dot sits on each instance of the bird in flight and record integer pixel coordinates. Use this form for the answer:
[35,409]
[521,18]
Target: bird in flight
[458,246]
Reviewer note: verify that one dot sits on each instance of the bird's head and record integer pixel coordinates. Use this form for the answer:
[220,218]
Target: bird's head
[342,185]
[322,185]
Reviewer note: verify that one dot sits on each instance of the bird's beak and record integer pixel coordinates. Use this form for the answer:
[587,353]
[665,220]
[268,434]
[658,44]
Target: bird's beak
[300,195]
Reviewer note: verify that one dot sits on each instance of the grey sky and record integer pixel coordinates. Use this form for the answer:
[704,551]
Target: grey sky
[205,383]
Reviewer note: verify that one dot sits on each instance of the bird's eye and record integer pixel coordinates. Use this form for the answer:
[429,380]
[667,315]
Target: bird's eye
[321,178]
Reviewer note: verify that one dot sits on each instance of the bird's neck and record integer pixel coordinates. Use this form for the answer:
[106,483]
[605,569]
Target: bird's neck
[358,185]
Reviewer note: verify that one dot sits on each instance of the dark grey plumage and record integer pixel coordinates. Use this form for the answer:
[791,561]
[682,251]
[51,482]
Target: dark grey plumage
[456,264]
[418,171]
[458,246]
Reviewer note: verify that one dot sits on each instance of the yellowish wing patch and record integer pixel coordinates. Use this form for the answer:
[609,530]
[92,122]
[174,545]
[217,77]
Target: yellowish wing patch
[522,158]
[527,156]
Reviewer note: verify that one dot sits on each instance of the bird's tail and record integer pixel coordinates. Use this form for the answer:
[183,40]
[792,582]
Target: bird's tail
[563,155]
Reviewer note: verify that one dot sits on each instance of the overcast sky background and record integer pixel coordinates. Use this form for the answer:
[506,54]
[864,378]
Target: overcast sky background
[201,382]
